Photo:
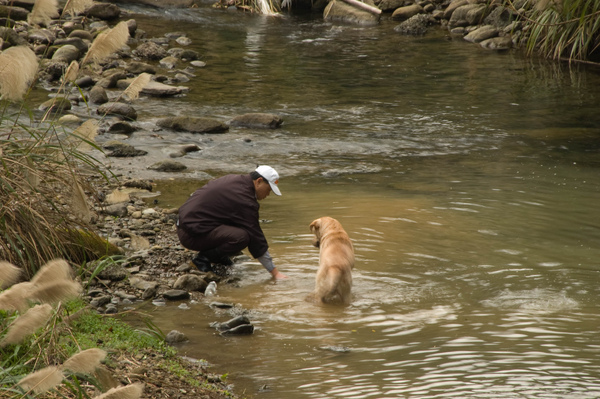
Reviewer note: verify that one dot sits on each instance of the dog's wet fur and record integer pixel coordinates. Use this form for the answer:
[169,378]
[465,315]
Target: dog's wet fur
[336,260]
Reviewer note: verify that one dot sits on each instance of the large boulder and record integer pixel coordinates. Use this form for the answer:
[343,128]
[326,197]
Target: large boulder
[468,15]
[104,11]
[404,13]
[339,11]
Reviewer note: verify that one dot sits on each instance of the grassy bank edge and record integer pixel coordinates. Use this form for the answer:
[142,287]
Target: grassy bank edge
[133,356]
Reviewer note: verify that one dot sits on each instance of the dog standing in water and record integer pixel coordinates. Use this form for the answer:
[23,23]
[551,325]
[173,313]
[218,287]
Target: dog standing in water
[336,260]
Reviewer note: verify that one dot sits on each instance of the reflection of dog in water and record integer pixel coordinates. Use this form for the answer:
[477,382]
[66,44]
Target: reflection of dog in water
[336,260]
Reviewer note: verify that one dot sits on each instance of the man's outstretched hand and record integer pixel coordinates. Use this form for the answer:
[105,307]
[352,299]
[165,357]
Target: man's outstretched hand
[277,275]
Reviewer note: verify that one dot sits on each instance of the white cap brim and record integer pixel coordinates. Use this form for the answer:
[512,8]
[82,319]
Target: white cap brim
[274,188]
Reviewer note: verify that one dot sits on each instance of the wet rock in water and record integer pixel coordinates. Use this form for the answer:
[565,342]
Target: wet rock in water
[104,11]
[190,282]
[184,54]
[338,11]
[497,43]
[237,326]
[111,309]
[168,166]
[404,13]
[192,124]
[176,295]
[482,33]
[98,95]
[100,301]
[85,81]
[138,183]
[122,110]
[257,121]
[67,53]
[221,305]
[15,13]
[244,329]
[126,151]
[175,336]
[137,68]
[121,127]
[232,323]
[150,292]
[154,88]
[169,62]
[415,25]
[56,105]
[182,150]
[41,36]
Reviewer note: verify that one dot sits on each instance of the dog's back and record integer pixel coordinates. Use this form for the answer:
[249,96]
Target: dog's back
[336,260]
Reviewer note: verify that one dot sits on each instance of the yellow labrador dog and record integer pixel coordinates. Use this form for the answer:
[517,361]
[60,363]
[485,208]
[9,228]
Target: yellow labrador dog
[336,260]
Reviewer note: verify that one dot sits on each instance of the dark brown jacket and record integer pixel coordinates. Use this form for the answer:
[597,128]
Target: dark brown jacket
[229,200]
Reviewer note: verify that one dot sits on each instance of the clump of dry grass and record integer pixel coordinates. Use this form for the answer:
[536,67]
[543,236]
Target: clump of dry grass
[42,380]
[9,274]
[136,86]
[74,7]
[34,319]
[43,11]
[133,391]
[85,361]
[106,43]
[18,66]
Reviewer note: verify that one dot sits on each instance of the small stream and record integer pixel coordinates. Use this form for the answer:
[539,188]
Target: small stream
[468,181]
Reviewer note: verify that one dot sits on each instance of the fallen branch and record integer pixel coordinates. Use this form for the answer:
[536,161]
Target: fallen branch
[364,6]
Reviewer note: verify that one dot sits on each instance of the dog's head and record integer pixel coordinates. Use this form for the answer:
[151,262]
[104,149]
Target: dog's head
[319,228]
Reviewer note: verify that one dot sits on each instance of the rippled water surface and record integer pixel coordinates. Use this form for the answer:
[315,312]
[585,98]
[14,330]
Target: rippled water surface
[468,181]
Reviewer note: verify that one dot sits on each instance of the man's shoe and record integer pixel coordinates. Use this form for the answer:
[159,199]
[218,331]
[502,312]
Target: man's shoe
[202,263]
[225,261]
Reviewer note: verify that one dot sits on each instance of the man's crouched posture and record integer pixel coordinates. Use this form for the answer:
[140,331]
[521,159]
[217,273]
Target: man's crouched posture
[221,218]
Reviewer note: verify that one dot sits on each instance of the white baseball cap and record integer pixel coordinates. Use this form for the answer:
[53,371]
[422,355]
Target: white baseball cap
[269,174]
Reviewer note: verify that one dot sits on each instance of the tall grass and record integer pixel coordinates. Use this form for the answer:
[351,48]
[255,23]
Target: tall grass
[45,169]
[563,29]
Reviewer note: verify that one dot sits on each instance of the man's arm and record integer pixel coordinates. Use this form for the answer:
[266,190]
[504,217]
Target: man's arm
[267,262]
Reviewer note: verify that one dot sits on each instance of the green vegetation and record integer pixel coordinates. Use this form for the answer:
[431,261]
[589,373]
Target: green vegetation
[563,29]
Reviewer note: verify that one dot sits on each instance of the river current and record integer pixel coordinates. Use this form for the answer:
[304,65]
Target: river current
[468,181]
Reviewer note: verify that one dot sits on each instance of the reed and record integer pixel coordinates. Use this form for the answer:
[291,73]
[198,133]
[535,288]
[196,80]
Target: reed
[18,66]
[9,274]
[43,11]
[42,380]
[34,319]
[133,391]
[85,361]
[106,43]
[74,7]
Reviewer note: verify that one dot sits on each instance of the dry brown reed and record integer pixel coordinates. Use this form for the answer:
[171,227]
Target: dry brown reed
[74,7]
[133,391]
[85,361]
[56,291]
[9,274]
[18,66]
[106,43]
[54,270]
[136,86]
[42,380]
[27,324]
[16,297]
[43,11]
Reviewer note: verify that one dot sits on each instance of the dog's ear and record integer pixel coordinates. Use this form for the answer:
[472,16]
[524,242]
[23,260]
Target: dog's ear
[316,224]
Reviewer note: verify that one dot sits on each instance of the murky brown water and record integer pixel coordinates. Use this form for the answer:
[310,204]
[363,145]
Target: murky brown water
[468,181]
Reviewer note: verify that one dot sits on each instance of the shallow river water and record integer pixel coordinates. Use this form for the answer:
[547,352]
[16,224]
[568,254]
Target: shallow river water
[468,181]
